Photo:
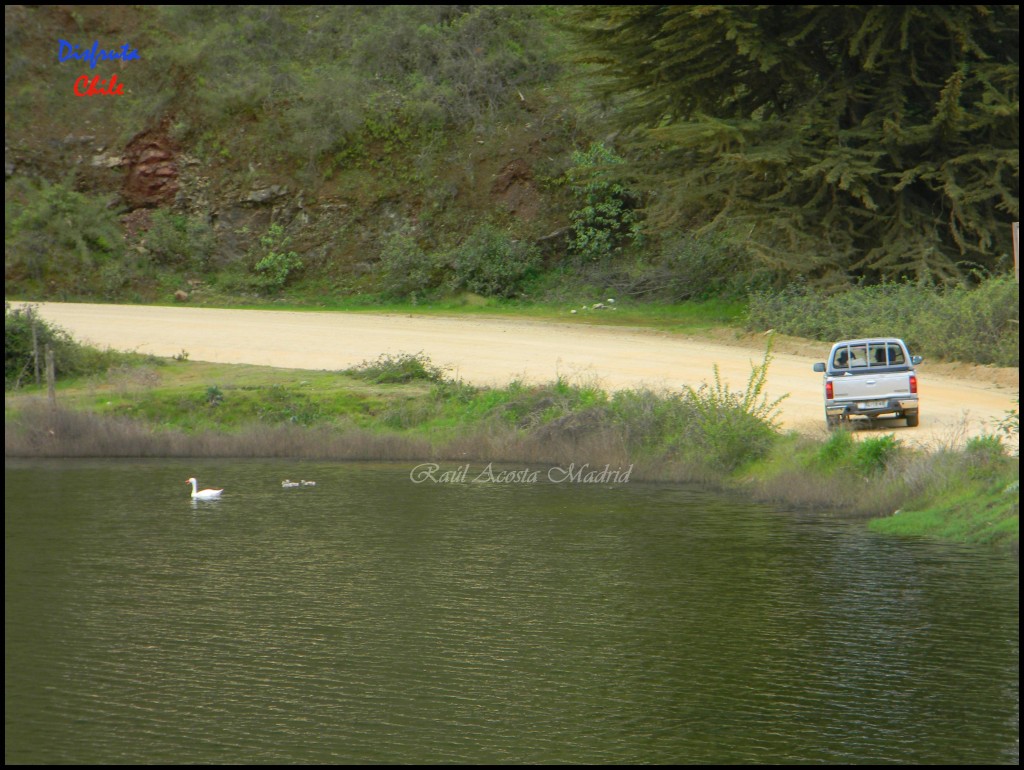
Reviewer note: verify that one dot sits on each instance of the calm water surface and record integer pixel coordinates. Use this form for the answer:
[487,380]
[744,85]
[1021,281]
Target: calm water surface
[370,619]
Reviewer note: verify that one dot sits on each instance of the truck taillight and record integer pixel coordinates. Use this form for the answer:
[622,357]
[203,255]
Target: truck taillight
[828,389]
[913,383]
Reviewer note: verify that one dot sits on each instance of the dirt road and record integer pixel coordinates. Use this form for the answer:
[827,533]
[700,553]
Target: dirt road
[493,351]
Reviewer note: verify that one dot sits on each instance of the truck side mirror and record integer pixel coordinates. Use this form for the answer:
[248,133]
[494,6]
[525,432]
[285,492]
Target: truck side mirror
[915,360]
[819,367]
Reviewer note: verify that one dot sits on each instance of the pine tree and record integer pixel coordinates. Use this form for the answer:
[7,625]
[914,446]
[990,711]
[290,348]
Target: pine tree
[880,141]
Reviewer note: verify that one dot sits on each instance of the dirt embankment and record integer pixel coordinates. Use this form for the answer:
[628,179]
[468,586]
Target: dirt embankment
[956,400]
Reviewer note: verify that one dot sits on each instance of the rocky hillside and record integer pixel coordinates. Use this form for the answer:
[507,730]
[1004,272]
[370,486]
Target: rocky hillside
[186,180]
[313,153]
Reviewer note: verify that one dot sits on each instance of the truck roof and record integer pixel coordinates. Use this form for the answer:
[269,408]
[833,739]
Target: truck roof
[866,340]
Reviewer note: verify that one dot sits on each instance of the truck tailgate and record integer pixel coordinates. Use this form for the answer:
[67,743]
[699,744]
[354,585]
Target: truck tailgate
[871,386]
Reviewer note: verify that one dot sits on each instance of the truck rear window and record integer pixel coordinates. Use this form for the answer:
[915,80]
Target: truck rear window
[868,355]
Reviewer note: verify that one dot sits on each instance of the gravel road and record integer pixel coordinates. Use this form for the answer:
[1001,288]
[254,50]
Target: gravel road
[493,351]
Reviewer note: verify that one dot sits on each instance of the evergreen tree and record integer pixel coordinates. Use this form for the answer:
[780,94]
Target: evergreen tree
[880,141]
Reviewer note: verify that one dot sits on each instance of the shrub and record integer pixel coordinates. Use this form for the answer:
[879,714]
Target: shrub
[459,62]
[984,455]
[406,270]
[178,240]
[1009,425]
[400,368]
[282,405]
[980,324]
[490,263]
[649,419]
[606,219]
[19,354]
[836,450]
[404,68]
[703,267]
[214,396]
[60,236]
[688,267]
[875,453]
[730,428]
[70,358]
[278,263]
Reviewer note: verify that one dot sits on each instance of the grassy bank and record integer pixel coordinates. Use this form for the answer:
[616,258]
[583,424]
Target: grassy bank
[404,408]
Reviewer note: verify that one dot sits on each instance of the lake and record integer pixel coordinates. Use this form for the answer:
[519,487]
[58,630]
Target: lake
[515,619]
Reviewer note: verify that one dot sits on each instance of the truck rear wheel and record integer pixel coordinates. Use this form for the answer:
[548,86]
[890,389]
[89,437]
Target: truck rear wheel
[912,419]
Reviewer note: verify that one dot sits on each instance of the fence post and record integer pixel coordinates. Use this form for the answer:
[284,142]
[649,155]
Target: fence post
[51,387]
[35,343]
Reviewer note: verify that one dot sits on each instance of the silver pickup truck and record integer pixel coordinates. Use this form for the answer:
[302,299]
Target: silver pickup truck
[871,378]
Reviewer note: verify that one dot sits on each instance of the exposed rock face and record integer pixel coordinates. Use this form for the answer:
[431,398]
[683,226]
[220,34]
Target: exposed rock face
[514,187]
[152,177]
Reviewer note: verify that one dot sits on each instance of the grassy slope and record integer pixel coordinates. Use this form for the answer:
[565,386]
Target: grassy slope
[439,182]
[980,512]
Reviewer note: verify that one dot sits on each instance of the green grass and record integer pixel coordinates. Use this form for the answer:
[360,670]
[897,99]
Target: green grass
[685,317]
[966,496]
[196,396]
[976,513]
[682,317]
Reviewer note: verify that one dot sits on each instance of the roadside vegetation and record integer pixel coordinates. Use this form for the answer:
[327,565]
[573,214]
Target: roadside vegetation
[403,407]
[27,337]
[979,325]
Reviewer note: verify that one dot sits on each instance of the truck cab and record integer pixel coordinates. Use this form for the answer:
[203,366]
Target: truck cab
[870,378]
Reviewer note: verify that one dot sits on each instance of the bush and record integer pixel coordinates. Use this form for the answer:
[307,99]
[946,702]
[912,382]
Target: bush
[688,267]
[404,69]
[400,368]
[979,325]
[70,358]
[648,419]
[177,240]
[836,450]
[490,263]
[19,358]
[875,453]
[730,428]
[406,270]
[459,62]
[282,405]
[56,235]
[1009,425]
[985,455]
[704,267]
[277,263]
[606,220]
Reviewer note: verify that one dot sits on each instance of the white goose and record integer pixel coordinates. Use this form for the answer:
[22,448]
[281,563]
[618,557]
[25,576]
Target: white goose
[205,494]
[289,484]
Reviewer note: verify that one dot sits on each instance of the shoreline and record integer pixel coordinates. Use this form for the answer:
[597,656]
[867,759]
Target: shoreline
[792,475]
